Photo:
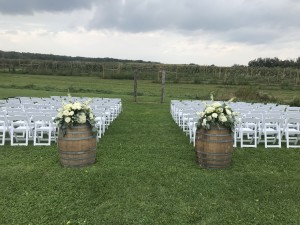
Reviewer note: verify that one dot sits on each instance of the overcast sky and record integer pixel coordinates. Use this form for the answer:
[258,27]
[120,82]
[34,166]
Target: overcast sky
[205,32]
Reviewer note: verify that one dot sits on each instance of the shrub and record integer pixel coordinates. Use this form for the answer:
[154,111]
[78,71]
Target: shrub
[295,101]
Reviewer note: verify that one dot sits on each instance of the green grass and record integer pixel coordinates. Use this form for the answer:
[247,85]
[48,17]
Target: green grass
[146,173]
[42,85]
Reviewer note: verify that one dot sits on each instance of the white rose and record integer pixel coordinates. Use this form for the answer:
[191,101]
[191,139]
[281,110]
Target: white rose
[76,105]
[67,119]
[82,118]
[67,106]
[228,112]
[60,115]
[214,115]
[204,122]
[222,118]
[71,113]
[209,118]
[209,109]
[91,116]
[219,110]
[66,112]
[216,104]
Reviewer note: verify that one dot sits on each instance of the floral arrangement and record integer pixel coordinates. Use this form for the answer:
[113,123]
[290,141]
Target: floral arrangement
[217,114]
[74,113]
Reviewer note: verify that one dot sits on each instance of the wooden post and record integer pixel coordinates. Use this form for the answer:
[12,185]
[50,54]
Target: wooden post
[103,70]
[135,85]
[163,77]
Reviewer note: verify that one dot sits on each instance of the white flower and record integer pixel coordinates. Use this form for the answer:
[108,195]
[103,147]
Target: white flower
[222,118]
[209,109]
[216,104]
[214,115]
[68,106]
[219,110]
[71,113]
[82,118]
[67,119]
[91,116]
[228,111]
[60,115]
[66,112]
[76,105]
[204,122]
[209,118]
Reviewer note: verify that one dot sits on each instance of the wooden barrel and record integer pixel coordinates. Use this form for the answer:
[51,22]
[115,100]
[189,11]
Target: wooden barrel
[217,148]
[77,148]
[199,142]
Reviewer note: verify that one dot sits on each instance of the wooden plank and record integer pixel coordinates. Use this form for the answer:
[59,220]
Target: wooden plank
[163,77]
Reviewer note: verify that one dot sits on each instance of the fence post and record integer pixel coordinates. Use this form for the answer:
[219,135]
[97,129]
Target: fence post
[163,77]
[135,85]
[103,70]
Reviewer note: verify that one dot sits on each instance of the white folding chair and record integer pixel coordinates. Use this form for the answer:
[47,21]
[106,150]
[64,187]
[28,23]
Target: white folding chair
[42,130]
[248,132]
[100,125]
[19,130]
[3,129]
[272,129]
[292,132]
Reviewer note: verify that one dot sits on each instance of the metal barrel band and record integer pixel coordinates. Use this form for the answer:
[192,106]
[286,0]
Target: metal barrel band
[77,159]
[218,141]
[214,166]
[218,128]
[78,153]
[214,154]
[227,158]
[77,139]
[217,135]
[76,132]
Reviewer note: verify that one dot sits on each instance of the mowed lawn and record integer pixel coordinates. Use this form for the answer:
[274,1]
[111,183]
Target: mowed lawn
[146,173]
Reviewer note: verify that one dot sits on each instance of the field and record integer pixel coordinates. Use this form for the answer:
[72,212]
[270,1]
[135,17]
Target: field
[146,170]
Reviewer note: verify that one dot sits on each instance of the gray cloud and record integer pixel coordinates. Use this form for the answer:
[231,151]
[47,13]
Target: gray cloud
[23,7]
[253,21]
[250,21]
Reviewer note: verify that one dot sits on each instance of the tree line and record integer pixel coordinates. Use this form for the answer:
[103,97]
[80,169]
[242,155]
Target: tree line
[51,57]
[275,62]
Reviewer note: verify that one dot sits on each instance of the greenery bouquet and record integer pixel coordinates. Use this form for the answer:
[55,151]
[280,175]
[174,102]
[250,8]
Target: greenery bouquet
[73,113]
[217,114]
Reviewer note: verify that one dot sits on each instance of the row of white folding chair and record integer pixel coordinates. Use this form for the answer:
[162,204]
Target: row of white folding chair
[254,130]
[3,128]
[103,118]
[22,128]
[39,129]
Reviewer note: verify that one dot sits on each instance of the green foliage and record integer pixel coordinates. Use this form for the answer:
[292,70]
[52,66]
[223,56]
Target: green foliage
[252,94]
[295,101]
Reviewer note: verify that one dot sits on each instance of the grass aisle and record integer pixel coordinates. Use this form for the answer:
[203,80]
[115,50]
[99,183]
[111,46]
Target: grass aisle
[146,173]
[145,151]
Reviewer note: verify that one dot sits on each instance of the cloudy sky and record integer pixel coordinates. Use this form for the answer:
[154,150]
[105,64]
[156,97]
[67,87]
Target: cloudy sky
[205,32]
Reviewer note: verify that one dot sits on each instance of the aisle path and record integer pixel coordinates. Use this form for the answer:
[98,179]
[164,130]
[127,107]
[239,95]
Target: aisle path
[145,134]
